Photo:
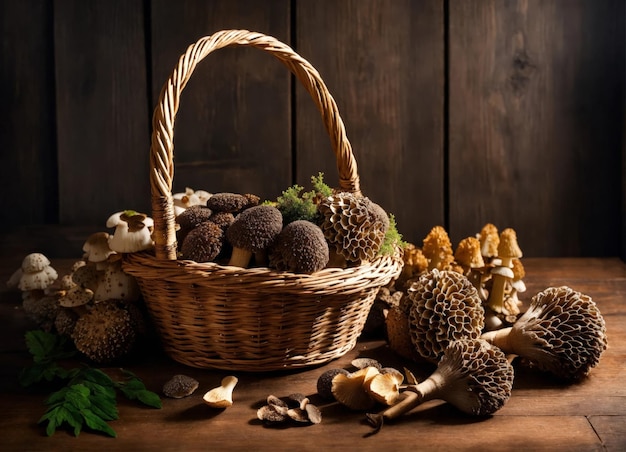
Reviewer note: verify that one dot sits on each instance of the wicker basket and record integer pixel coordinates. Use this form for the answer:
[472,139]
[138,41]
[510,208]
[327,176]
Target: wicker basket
[214,316]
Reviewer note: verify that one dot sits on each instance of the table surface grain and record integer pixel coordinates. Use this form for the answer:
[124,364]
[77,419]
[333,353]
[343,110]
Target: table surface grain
[542,414]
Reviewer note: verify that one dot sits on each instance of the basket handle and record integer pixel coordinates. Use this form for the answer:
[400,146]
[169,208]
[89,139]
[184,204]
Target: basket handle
[162,145]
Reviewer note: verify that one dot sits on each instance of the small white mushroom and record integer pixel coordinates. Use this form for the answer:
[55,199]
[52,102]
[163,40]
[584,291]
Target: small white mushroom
[221,396]
[133,231]
[36,273]
[96,248]
[117,285]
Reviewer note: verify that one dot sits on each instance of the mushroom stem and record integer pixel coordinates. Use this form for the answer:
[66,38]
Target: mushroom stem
[412,397]
[496,297]
[500,338]
[240,257]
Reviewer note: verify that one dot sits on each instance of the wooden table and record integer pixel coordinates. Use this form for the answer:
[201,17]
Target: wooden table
[541,414]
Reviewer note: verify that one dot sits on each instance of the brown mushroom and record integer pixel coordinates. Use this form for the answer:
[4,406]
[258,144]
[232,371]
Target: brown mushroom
[354,226]
[445,306]
[180,386]
[299,248]
[472,375]
[253,232]
[562,332]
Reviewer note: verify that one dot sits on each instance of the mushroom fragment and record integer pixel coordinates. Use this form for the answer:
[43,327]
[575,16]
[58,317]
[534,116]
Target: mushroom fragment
[562,332]
[298,408]
[180,386]
[350,390]
[472,375]
[221,396]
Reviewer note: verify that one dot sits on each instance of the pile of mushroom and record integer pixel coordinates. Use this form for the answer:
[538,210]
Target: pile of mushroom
[469,298]
[97,305]
[299,232]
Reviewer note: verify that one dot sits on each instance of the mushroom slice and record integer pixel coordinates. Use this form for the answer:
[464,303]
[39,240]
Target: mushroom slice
[349,390]
[221,396]
[180,386]
[384,388]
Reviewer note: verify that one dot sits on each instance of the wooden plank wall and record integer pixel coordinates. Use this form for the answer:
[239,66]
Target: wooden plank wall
[460,112]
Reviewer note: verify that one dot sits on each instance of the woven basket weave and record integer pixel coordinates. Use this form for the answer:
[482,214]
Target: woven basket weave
[257,319]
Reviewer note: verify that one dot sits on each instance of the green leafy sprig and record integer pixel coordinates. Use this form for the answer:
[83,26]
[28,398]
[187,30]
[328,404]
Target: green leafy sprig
[393,238]
[297,204]
[88,398]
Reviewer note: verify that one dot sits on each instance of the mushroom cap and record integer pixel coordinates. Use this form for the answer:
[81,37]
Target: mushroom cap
[508,246]
[203,243]
[300,248]
[132,231]
[37,280]
[256,228]
[97,248]
[222,219]
[34,262]
[105,333]
[478,377]
[193,216]
[117,285]
[353,225]
[227,202]
[350,390]
[76,296]
[42,310]
[468,253]
[65,321]
[437,248]
[445,306]
[489,240]
[180,386]
[562,332]
[86,276]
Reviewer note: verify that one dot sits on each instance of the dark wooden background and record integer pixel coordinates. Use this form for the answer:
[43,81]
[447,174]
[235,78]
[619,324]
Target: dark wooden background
[460,112]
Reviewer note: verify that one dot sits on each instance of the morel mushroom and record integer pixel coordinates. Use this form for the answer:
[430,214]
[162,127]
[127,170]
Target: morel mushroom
[203,243]
[253,232]
[562,332]
[445,306]
[472,375]
[180,386]
[354,226]
[191,218]
[105,333]
[508,249]
[468,255]
[489,241]
[438,249]
[227,202]
[299,248]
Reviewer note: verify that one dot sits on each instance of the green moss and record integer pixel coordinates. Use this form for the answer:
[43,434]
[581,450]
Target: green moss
[393,238]
[297,204]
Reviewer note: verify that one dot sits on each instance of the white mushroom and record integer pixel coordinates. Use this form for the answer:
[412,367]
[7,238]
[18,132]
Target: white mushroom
[96,248]
[117,285]
[36,273]
[221,396]
[132,231]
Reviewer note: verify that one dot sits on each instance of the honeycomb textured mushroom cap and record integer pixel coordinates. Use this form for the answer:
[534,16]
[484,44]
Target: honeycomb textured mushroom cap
[353,225]
[437,248]
[105,333]
[479,378]
[300,248]
[562,332]
[445,306]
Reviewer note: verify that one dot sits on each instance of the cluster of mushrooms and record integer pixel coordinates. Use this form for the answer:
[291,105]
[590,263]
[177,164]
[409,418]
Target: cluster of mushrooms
[460,310]
[299,232]
[97,305]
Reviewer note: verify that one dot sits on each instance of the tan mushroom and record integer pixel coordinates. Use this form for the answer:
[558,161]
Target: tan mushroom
[97,250]
[472,375]
[562,332]
[349,390]
[445,307]
[221,396]
[438,249]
